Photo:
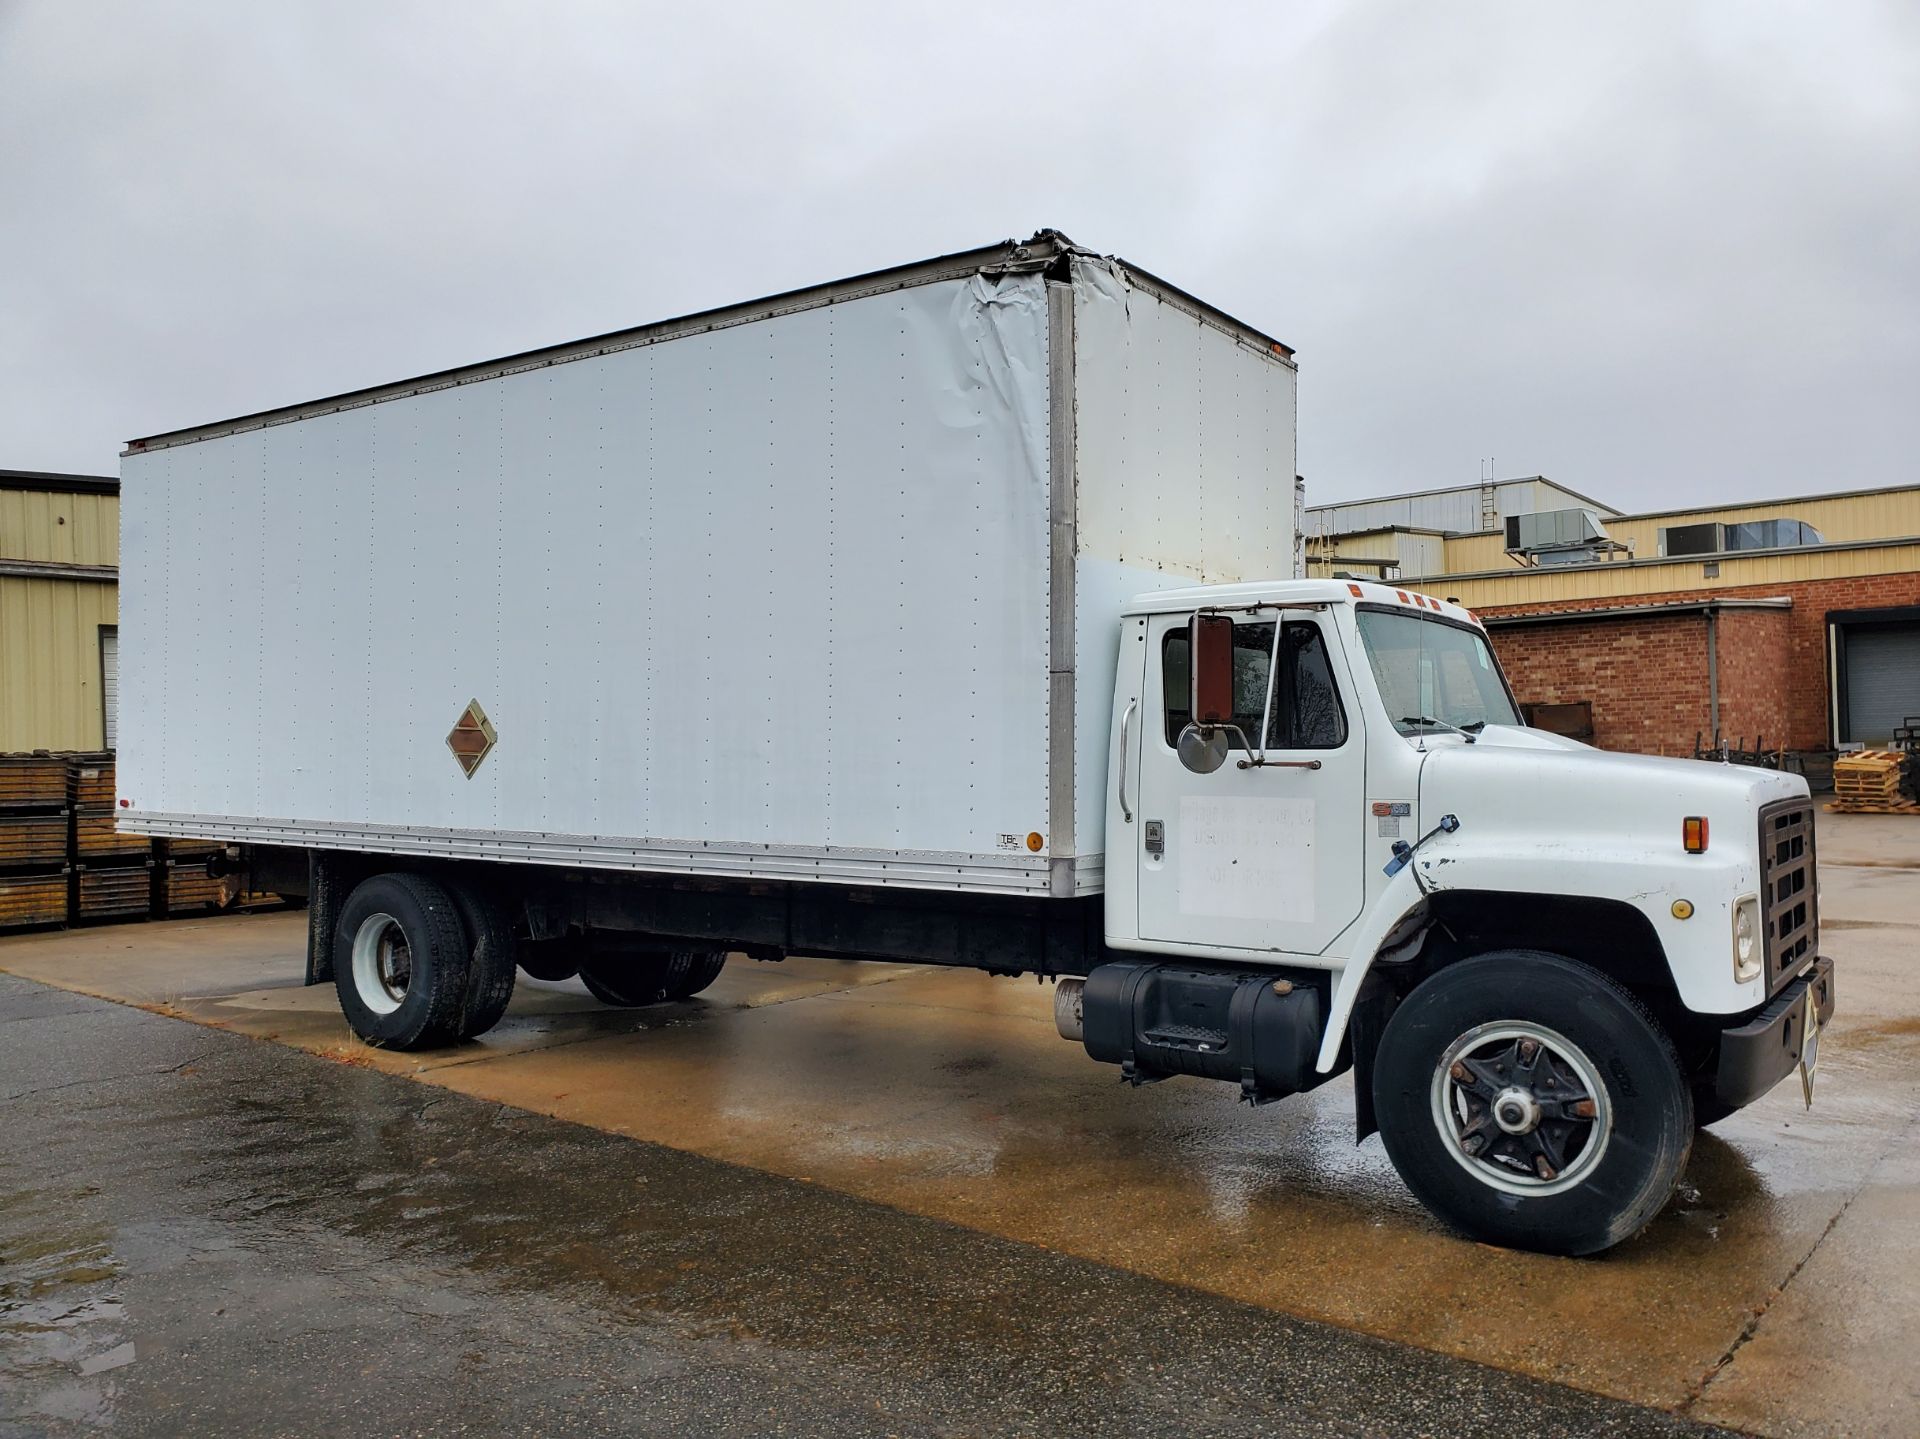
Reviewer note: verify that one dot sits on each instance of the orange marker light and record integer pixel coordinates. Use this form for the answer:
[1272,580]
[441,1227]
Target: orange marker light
[1356,592]
[1693,833]
[1034,841]
[1403,597]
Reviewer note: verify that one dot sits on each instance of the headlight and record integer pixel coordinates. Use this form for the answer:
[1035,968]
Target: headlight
[1746,929]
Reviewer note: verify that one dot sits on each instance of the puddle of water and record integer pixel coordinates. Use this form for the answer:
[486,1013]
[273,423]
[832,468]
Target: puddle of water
[62,1323]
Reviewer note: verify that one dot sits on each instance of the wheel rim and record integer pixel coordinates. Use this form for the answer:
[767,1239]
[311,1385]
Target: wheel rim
[1521,1108]
[382,963]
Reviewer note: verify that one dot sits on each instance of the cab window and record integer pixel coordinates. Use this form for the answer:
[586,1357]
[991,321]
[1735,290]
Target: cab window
[1307,713]
[1252,654]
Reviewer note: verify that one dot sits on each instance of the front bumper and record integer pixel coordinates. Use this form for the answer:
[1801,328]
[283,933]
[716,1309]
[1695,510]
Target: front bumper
[1766,1049]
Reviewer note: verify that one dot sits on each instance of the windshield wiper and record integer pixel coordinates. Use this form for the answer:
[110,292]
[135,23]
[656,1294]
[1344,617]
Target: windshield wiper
[1428,722]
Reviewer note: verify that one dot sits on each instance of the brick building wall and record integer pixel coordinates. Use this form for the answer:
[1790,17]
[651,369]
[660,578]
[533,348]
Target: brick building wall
[1757,674]
[1646,675]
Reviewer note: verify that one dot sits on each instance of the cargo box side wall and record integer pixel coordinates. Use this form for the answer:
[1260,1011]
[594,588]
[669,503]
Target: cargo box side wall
[1184,464]
[771,599]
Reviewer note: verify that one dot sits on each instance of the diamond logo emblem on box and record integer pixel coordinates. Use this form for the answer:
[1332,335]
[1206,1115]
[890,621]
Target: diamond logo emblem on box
[472,738]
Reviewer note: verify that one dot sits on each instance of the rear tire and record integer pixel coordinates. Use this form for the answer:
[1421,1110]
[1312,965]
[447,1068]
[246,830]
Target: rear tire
[1531,1101]
[401,962]
[552,960]
[629,978]
[495,957]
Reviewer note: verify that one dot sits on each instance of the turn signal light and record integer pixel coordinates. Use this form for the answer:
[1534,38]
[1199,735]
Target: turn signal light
[1693,833]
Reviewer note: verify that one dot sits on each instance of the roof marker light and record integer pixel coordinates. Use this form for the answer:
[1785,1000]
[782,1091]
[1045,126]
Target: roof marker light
[1403,597]
[1356,592]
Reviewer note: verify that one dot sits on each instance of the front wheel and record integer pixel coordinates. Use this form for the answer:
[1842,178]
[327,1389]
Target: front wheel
[1533,1102]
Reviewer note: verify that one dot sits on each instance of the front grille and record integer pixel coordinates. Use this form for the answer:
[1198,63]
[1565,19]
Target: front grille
[1789,888]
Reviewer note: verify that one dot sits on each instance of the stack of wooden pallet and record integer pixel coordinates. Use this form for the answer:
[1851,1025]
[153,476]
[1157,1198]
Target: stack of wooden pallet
[113,872]
[1870,782]
[33,840]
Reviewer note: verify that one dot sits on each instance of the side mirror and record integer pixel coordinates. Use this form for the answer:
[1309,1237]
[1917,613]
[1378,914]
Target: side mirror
[1202,746]
[1210,651]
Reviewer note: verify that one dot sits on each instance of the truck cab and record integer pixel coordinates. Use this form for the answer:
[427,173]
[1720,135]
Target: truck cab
[1333,842]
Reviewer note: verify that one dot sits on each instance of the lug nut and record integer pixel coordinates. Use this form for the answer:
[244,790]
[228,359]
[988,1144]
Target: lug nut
[1544,1169]
[1461,1074]
[1474,1143]
[1529,1048]
[1584,1109]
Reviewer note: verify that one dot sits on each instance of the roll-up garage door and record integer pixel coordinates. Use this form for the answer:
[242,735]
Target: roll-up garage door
[110,679]
[1883,680]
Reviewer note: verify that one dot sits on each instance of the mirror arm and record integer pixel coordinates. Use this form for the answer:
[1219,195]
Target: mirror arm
[1257,758]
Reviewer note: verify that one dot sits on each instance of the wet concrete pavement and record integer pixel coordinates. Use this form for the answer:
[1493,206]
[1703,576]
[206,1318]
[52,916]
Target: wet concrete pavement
[1776,1294]
[202,1234]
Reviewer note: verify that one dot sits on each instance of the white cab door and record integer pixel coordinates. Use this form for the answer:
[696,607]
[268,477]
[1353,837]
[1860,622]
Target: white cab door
[1268,857]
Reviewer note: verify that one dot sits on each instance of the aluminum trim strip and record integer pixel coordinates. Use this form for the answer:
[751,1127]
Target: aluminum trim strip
[1025,874]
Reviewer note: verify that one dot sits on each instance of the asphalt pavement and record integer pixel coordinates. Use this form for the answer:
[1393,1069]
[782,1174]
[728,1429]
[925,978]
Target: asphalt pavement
[205,1233]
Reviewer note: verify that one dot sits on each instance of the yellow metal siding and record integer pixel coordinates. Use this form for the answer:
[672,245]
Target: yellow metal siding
[1841,519]
[1467,553]
[63,529]
[50,660]
[1539,586]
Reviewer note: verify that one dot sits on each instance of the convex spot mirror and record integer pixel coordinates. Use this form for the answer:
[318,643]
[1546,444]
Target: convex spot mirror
[1203,746]
[1202,750]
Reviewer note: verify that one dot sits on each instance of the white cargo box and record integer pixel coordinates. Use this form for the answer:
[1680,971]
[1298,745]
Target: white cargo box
[821,587]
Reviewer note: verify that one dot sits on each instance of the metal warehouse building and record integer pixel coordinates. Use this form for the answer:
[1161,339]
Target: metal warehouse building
[59,610]
[1792,623]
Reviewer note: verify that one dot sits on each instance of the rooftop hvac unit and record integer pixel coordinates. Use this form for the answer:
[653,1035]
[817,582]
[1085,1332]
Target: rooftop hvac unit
[1561,537]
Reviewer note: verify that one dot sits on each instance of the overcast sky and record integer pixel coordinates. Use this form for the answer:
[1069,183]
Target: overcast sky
[1660,252]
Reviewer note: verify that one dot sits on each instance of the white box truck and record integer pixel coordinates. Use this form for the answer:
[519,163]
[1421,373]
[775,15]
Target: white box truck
[949,614]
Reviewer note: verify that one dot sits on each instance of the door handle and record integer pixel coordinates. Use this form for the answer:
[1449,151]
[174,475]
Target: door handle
[1126,741]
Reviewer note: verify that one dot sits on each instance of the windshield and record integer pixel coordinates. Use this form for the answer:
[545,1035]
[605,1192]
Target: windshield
[1430,670]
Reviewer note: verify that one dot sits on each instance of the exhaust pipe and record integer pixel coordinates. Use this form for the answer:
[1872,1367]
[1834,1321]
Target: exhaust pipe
[1068,997]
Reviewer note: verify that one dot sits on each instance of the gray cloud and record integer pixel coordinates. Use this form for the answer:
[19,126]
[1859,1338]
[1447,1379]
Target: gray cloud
[1658,251]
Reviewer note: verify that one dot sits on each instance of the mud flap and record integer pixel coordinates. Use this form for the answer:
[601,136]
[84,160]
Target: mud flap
[1371,1011]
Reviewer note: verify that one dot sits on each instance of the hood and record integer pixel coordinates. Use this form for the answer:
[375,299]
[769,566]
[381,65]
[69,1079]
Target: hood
[1528,780]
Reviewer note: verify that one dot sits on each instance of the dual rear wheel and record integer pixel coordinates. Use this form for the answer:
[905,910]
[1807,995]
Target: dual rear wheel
[624,972]
[420,963]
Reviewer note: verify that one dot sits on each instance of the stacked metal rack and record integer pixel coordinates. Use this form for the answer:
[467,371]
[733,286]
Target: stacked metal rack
[63,859]
[185,881]
[33,840]
[112,872]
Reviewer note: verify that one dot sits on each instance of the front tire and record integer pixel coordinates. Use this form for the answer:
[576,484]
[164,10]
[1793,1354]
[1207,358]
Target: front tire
[401,962]
[1531,1101]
